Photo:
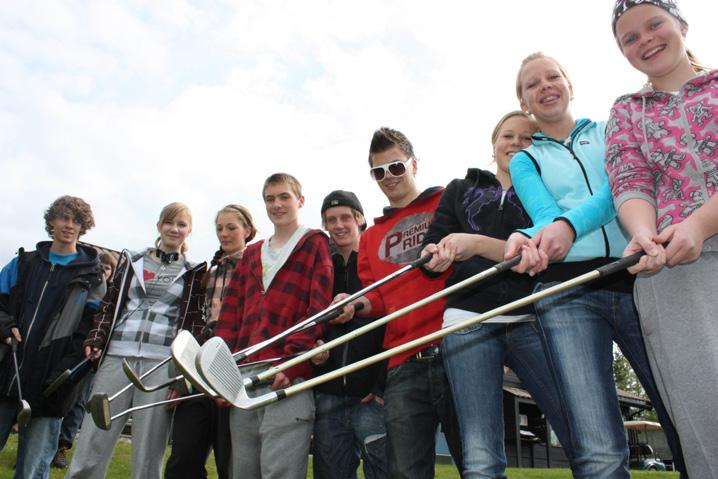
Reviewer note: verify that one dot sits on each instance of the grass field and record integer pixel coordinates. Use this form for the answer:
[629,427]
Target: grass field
[120,467]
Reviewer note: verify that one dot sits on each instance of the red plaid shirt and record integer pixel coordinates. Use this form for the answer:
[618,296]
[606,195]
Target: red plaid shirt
[301,288]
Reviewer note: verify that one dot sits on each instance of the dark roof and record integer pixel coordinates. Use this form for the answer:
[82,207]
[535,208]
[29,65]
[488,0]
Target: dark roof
[624,397]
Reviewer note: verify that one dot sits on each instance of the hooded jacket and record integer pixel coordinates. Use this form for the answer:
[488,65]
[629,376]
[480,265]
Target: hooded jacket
[52,306]
[663,148]
[113,305]
[475,205]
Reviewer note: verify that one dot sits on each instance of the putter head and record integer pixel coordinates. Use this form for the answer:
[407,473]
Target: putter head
[23,415]
[217,367]
[184,352]
[136,380]
[99,408]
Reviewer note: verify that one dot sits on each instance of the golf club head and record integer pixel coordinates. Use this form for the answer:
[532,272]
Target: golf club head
[184,352]
[59,381]
[217,367]
[136,380]
[99,408]
[24,413]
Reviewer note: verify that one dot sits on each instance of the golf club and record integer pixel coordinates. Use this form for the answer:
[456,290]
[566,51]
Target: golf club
[216,365]
[323,316]
[80,369]
[24,412]
[107,420]
[497,268]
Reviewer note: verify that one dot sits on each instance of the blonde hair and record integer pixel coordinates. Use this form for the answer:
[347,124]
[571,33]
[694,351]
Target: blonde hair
[169,213]
[244,217]
[511,114]
[529,59]
[277,178]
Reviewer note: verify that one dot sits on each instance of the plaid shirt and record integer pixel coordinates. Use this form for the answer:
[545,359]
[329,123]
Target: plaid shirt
[117,298]
[302,287]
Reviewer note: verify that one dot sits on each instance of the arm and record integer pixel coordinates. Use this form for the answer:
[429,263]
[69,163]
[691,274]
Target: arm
[373,301]
[685,239]
[639,219]
[8,279]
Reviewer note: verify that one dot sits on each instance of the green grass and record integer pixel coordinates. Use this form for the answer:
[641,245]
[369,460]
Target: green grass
[120,467]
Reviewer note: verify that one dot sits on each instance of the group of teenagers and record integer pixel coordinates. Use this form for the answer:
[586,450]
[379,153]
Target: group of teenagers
[569,195]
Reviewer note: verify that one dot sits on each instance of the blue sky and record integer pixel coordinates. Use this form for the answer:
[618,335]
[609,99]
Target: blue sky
[134,104]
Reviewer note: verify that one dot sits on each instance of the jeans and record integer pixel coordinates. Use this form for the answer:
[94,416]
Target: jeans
[474,358]
[346,430]
[579,326]
[73,419]
[417,398]
[37,441]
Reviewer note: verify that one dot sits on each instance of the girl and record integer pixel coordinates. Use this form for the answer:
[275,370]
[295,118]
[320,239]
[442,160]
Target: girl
[153,294]
[473,219]
[200,425]
[663,169]
[561,180]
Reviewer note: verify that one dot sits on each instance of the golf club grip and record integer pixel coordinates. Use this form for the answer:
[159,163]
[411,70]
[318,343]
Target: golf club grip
[335,314]
[508,264]
[620,264]
[417,263]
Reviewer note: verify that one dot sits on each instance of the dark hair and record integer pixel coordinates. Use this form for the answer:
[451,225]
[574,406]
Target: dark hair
[107,258]
[276,178]
[73,206]
[385,139]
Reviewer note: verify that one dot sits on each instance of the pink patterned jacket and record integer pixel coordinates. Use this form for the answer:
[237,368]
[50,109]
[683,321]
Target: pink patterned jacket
[663,148]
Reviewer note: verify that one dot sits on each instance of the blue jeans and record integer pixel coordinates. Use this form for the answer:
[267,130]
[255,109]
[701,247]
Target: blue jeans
[346,430]
[417,398]
[579,326]
[474,359]
[37,441]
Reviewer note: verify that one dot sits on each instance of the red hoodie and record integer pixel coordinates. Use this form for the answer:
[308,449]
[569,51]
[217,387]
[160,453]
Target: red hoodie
[302,287]
[394,241]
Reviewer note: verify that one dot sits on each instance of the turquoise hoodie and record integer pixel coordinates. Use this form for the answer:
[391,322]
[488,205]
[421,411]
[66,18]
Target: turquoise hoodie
[567,180]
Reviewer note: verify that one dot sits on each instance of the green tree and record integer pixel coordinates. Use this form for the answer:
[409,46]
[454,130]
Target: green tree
[627,380]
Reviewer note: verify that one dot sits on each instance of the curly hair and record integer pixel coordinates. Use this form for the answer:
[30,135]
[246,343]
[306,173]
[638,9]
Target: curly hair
[72,206]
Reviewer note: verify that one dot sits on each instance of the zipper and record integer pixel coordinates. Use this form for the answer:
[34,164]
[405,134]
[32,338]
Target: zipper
[569,146]
[189,298]
[32,322]
[691,143]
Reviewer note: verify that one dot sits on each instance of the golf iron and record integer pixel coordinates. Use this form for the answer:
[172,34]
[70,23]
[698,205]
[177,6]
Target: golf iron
[24,412]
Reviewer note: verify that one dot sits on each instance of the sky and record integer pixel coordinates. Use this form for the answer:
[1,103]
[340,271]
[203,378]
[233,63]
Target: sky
[134,104]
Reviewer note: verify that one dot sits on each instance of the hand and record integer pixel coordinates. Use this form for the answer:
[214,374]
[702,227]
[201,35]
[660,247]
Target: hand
[685,242]
[320,358]
[555,240]
[655,255]
[280,382]
[172,394]
[462,246]
[532,262]
[372,397]
[15,332]
[349,310]
[222,402]
[441,258]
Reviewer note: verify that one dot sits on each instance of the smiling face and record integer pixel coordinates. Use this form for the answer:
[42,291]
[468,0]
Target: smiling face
[282,204]
[231,233]
[652,42]
[174,231]
[399,190]
[545,91]
[66,229]
[342,226]
[513,136]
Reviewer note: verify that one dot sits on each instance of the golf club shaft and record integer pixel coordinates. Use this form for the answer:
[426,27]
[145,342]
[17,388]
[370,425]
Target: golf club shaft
[497,268]
[530,299]
[155,404]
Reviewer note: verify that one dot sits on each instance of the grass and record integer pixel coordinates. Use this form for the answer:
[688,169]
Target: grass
[120,467]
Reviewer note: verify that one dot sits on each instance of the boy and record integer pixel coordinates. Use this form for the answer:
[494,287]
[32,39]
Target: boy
[417,396]
[278,283]
[349,423]
[47,299]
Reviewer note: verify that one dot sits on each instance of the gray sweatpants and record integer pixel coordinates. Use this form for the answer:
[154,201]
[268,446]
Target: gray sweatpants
[272,442]
[678,308]
[150,427]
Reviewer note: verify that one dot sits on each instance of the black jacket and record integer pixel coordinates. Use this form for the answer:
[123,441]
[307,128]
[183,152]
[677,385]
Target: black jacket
[474,205]
[364,381]
[48,305]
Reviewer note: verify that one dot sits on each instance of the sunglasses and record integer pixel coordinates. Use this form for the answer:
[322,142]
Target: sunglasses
[397,168]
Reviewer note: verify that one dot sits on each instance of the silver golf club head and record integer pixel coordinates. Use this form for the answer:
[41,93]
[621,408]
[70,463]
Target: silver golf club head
[184,352]
[219,370]
[99,408]
[24,413]
[137,380]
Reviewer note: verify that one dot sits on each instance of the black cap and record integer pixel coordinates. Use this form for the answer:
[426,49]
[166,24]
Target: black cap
[341,198]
